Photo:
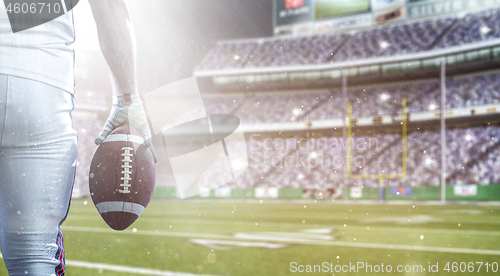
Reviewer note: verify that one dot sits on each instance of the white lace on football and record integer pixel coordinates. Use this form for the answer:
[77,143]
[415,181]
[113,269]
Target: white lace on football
[127,166]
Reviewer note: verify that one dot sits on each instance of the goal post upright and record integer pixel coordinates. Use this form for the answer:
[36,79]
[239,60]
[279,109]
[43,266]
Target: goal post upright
[443,130]
[345,178]
[404,121]
[380,177]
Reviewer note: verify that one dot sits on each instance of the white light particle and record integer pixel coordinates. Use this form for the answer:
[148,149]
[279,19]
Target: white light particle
[384,44]
[384,97]
[485,30]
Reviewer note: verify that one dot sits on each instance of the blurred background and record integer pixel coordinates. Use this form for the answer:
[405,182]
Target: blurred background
[288,69]
[418,147]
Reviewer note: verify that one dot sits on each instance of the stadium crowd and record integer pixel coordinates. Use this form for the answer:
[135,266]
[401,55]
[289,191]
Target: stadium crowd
[396,39]
[274,107]
[321,163]
[472,154]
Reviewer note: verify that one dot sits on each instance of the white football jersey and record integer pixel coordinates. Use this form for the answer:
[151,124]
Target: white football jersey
[40,53]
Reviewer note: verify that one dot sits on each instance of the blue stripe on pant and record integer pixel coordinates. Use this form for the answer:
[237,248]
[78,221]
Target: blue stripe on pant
[38,150]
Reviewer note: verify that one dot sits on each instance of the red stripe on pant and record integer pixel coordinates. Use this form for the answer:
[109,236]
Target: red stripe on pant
[61,256]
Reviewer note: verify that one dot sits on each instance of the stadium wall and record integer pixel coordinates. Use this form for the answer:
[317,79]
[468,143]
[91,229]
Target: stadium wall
[424,193]
[432,193]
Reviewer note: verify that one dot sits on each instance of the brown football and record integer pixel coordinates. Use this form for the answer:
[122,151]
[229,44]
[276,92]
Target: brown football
[122,177]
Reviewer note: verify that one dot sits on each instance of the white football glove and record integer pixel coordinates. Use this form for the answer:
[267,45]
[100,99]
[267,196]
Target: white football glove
[128,109]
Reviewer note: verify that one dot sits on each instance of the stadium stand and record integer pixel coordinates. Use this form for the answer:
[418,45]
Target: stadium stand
[473,153]
[396,39]
[473,27]
[306,50]
[230,55]
[472,156]
[369,101]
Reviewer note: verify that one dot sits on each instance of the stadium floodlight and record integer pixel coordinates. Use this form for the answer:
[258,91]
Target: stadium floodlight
[380,177]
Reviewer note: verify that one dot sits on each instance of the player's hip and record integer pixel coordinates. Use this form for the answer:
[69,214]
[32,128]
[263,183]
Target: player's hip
[34,114]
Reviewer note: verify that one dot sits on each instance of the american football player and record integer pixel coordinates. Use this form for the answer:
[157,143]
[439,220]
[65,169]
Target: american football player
[38,145]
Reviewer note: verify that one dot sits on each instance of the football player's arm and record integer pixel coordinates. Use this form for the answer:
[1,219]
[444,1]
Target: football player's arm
[117,40]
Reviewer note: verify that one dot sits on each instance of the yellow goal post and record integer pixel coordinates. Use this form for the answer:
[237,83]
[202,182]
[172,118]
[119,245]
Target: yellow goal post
[380,177]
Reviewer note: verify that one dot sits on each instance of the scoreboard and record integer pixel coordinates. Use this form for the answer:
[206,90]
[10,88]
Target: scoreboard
[333,8]
[289,12]
[312,16]
[303,17]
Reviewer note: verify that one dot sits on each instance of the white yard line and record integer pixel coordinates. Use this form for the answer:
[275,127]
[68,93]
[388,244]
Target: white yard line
[413,248]
[256,236]
[299,226]
[421,230]
[144,232]
[226,245]
[127,269]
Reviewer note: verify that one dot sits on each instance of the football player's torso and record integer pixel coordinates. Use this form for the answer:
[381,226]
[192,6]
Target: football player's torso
[40,53]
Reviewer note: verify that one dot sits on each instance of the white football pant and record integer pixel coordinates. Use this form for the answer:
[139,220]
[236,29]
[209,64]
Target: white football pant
[38,150]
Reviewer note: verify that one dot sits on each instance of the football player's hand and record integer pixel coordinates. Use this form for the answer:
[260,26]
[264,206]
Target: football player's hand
[128,109]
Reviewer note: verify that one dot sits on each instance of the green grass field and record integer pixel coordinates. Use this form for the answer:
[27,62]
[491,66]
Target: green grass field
[239,238]
[332,8]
